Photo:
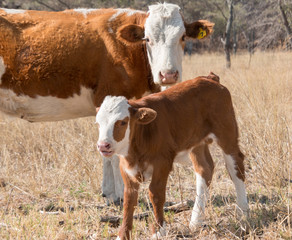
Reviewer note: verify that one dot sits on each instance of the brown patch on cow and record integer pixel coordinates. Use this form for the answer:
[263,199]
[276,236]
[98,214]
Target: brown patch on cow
[120,129]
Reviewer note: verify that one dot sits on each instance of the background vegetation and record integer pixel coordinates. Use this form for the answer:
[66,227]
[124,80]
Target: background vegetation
[55,166]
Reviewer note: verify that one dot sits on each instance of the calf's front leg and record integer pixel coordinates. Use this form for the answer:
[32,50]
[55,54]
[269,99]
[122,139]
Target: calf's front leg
[157,190]
[130,202]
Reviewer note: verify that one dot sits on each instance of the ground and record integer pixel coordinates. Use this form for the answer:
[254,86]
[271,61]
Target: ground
[50,173]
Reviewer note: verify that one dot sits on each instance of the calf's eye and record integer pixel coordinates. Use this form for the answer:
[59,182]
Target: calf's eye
[123,123]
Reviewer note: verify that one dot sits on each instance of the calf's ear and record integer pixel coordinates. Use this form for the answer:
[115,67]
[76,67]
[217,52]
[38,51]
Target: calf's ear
[199,29]
[131,33]
[144,115]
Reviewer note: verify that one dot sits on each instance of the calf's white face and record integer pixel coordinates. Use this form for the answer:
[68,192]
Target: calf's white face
[113,118]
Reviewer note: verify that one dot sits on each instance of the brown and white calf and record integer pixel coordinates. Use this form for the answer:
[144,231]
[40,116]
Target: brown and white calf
[152,133]
[61,65]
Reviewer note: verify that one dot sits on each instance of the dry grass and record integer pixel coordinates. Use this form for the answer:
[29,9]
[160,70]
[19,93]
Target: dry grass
[55,166]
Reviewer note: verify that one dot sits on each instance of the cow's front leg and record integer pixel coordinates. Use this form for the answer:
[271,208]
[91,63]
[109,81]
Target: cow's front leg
[130,202]
[112,183]
[157,190]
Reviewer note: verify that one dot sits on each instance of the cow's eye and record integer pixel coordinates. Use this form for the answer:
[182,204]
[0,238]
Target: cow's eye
[183,37]
[146,39]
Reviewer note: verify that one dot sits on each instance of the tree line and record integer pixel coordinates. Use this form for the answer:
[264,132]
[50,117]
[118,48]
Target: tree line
[239,24]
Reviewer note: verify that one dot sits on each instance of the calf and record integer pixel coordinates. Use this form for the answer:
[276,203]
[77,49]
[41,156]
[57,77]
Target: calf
[152,133]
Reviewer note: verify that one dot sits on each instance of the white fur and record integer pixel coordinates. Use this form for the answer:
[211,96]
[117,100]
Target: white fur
[200,203]
[161,233]
[111,110]
[13,11]
[132,172]
[47,108]
[164,27]
[239,184]
[85,11]
[183,158]
[2,68]
[120,11]
[112,182]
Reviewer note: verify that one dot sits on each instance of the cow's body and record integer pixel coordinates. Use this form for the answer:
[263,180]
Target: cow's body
[61,65]
[189,115]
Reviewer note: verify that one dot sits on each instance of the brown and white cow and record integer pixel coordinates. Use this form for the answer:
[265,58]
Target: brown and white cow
[152,133]
[61,65]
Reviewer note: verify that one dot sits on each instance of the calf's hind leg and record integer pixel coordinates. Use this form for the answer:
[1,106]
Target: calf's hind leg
[204,167]
[227,139]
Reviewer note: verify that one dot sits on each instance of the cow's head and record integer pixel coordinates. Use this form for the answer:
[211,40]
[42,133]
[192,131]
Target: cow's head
[113,118]
[164,32]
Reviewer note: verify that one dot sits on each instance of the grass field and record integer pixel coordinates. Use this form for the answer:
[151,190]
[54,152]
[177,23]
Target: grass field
[55,167]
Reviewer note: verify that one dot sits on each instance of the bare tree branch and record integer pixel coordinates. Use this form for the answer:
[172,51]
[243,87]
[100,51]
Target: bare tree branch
[46,5]
[221,11]
[65,4]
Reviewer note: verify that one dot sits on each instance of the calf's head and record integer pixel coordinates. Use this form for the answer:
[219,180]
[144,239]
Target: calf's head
[114,118]
[164,32]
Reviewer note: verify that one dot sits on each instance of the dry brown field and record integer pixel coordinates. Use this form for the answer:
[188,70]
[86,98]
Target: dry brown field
[51,173]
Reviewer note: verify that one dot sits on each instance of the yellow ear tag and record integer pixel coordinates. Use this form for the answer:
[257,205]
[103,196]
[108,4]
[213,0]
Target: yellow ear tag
[202,33]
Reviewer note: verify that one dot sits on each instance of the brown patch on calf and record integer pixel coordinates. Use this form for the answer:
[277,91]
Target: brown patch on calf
[120,129]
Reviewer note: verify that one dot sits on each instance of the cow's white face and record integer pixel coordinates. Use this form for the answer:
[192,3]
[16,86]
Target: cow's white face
[113,118]
[164,30]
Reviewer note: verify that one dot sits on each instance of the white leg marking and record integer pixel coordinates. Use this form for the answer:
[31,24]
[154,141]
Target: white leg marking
[119,184]
[2,68]
[198,212]
[108,184]
[161,233]
[239,184]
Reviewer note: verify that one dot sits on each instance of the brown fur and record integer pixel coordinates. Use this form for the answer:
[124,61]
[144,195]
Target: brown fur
[186,114]
[120,129]
[55,53]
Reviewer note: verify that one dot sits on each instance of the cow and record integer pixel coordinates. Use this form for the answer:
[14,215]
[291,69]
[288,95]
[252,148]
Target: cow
[175,125]
[60,65]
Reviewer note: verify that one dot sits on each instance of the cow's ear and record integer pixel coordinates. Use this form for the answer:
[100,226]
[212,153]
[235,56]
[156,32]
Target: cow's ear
[131,33]
[199,29]
[143,115]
